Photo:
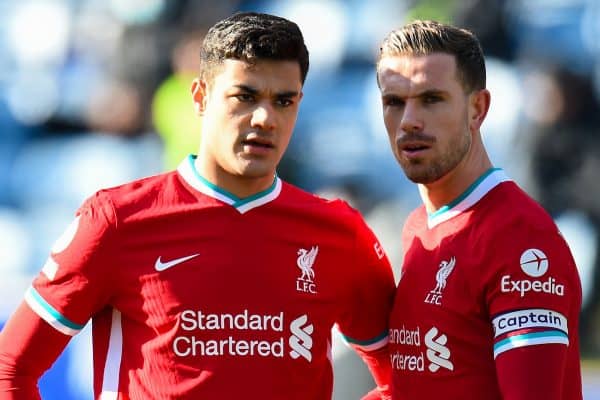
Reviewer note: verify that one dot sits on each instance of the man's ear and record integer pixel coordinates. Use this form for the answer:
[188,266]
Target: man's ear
[199,95]
[479,104]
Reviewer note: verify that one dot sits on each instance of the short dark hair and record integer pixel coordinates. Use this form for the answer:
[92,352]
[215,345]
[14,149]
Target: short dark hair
[426,37]
[250,37]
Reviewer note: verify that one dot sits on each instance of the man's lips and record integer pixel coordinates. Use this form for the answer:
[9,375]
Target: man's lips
[258,142]
[256,145]
[413,146]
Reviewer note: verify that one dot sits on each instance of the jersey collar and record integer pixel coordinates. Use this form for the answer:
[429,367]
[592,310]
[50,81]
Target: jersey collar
[188,172]
[486,182]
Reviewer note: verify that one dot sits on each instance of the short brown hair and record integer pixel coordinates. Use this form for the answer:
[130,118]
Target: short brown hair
[426,37]
[252,37]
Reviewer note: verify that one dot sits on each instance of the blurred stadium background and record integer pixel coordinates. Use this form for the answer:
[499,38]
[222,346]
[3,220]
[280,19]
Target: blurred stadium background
[94,93]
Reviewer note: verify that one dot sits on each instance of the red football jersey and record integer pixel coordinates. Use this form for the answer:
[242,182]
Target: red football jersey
[194,293]
[487,274]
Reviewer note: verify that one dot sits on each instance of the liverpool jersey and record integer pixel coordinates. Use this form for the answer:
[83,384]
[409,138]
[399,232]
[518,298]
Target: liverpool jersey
[194,293]
[483,276]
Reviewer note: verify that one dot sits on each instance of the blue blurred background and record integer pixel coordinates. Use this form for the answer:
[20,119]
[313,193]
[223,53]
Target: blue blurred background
[94,93]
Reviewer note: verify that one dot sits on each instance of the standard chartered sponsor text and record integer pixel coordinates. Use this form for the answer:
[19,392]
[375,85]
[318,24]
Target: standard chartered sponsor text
[245,321]
[411,361]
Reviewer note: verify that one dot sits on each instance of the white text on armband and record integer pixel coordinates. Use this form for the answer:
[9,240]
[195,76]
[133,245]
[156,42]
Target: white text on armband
[530,318]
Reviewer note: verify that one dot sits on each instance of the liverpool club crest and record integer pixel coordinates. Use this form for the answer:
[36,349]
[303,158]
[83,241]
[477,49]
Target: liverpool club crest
[306,259]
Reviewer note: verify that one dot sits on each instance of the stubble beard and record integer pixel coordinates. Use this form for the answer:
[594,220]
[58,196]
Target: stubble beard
[426,171]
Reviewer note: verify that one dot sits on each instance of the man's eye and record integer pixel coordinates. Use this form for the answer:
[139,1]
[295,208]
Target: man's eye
[432,99]
[244,97]
[284,102]
[393,101]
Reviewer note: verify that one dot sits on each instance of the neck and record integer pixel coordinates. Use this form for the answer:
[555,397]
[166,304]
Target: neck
[449,187]
[238,185]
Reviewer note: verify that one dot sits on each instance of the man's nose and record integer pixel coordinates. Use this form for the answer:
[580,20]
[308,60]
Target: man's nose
[412,117]
[263,116]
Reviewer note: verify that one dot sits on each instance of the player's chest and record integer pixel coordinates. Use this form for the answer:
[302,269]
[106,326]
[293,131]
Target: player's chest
[224,268]
[438,315]
[441,279]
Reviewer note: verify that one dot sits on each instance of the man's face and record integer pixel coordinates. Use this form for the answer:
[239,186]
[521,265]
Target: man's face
[426,113]
[249,112]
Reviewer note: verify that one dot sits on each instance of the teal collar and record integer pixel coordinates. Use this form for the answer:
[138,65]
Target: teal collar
[486,182]
[188,172]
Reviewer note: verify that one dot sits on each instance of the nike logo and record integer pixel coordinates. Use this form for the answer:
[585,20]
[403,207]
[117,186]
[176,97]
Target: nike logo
[161,266]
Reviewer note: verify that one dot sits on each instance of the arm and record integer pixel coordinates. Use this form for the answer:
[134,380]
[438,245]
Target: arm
[28,347]
[72,286]
[374,297]
[378,362]
[535,316]
[532,372]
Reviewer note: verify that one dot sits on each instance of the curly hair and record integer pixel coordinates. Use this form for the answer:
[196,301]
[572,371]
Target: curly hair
[251,37]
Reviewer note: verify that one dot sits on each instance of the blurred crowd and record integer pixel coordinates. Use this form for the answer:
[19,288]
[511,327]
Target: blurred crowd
[94,93]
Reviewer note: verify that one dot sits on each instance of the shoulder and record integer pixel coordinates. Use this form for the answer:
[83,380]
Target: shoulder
[415,221]
[331,217]
[519,233]
[138,189]
[510,222]
[512,210]
[333,207]
[131,198]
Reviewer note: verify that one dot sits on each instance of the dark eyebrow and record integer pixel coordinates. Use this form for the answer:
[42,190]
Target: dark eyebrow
[425,93]
[388,96]
[291,93]
[431,92]
[246,88]
[254,91]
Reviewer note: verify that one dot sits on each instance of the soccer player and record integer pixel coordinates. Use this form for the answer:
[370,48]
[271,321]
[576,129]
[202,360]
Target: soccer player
[489,296]
[217,280]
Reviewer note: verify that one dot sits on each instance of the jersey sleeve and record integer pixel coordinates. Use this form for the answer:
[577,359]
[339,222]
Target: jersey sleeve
[533,297]
[74,282]
[28,347]
[371,290]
